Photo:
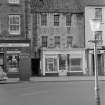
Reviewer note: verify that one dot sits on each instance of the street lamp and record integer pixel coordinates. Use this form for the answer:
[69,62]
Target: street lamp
[95,26]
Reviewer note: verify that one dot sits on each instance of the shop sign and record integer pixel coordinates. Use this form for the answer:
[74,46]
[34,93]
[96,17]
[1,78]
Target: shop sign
[14,45]
[9,52]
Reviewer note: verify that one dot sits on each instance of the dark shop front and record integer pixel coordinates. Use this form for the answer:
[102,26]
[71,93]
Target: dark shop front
[15,57]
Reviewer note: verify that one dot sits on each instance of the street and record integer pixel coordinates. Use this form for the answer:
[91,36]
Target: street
[50,93]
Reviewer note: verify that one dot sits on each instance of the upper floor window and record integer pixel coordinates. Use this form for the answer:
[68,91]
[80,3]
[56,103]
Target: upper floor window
[14,24]
[98,13]
[44,41]
[68,20]
[14,1]
[56,20]
[43,19]
[57,41]
[69,41]
[98,35]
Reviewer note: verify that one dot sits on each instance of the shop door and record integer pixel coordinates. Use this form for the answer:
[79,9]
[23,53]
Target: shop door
[100,64]
[62,64]
[35,66]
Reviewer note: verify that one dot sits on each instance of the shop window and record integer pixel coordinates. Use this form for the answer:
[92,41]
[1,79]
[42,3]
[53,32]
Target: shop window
[51,64]
[2,60]
[76,64]
[14,24]
[13,63]
[62,62]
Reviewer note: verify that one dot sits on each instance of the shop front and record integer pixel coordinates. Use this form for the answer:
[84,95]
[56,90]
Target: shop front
[63,62]
[100,62]
[10,55]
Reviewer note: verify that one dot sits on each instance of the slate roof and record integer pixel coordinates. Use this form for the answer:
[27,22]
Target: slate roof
[63,5]
[55,5]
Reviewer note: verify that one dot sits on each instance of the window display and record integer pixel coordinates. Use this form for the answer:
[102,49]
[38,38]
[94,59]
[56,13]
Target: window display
[51,64]
[13,63]
[76,64]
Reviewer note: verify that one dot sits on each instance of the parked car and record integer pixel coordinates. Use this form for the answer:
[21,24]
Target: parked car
[3,75]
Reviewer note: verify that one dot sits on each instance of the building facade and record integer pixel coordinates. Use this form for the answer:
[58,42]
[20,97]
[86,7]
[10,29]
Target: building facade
[58,37]
[14,41]
[95,12]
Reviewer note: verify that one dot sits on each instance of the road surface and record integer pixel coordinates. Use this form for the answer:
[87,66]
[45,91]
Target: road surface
[50,93]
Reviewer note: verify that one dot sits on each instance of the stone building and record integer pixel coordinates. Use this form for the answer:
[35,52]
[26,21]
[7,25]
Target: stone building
[14,41]
[58,40]
[95,12]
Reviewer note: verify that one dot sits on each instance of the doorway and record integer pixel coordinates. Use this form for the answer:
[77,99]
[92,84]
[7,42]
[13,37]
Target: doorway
[35,67]
[100,64]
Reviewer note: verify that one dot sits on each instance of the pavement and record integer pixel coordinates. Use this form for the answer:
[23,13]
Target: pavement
[54,79]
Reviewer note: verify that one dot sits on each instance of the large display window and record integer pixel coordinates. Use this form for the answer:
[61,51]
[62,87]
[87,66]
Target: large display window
[13,63]
[2,60]
[51,64]
[76,64]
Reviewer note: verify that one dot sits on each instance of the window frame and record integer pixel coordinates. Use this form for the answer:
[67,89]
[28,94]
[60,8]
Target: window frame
[97,14]
[98,35]
[56,19]
[43,19]
[18,24]
[68,20]
[57,41]
[69,42]
[44,41]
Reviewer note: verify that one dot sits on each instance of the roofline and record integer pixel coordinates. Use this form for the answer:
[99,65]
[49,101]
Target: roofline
[56,11]
[95,5]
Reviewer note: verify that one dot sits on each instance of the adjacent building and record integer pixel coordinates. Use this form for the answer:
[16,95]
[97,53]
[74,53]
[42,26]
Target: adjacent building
[14,38]
[95,12]
[58,40]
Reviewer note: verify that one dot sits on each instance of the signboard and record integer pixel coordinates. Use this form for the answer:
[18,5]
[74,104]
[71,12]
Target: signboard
[14,45]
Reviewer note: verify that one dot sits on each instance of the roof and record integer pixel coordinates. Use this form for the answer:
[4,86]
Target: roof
[63,5]
[55,5]
[84,3]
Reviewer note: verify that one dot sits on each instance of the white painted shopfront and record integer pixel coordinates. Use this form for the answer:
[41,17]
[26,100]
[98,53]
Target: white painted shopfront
[63,62]
[100,62]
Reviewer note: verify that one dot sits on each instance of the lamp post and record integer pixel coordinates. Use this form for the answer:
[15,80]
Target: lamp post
[95,26]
